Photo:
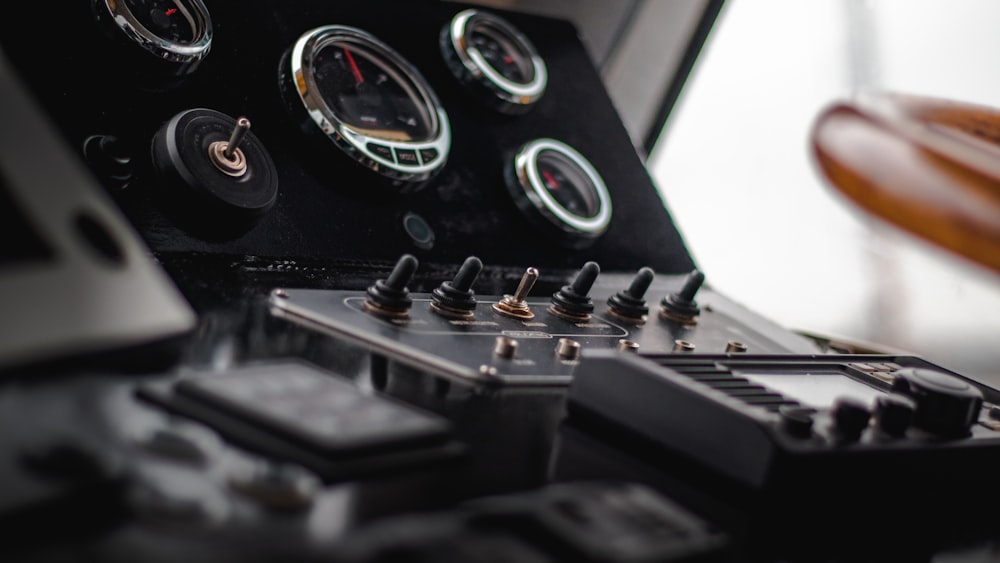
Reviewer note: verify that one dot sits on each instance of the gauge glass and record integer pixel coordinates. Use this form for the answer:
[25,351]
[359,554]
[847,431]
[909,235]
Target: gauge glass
[168,19]
[370,102]
[557,185]
[505,56]
[370,95]
[179,31]
[568,185]
[494,60]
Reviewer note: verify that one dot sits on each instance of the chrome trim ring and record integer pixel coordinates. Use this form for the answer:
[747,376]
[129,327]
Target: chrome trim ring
[469,65]
[350,139]
[533,197]
[189,53]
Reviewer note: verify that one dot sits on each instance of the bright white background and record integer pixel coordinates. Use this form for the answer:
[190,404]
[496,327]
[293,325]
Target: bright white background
[735,168]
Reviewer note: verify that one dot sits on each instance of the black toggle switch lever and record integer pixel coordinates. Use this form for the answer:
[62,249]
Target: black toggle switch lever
[680,306]
[629,304]
[573,302]
[455,299]
[390,297]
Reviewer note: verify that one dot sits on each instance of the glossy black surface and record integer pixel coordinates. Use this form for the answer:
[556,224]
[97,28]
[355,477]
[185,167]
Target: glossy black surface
[328,206]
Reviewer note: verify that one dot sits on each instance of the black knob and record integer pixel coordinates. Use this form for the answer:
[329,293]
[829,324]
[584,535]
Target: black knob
[390,297]
[110,159]
[850,418]
[573,301]
[630,303]
[456,298]
[216,177]
[797,421]
[681,305]
[894,413]
[946,405]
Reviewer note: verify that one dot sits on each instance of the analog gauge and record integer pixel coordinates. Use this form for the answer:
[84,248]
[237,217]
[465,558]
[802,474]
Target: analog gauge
[555,186]
[495,60]
[176,31]
[374,105]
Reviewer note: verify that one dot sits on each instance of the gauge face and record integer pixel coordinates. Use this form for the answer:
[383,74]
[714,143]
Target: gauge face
[164,18]
[502,54]
[555,186]
[370,102]
[369,95]
[494,60]
[178,31]
[568,185]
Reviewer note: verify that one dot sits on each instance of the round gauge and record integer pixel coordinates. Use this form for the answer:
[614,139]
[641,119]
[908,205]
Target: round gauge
[558,188]
[177,31]
[372,103]
[495,60]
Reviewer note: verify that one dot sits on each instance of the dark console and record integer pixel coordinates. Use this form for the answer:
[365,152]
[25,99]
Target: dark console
[388,281]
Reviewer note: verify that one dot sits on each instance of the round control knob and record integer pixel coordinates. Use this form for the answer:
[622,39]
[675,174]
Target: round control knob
[797,421]
[945,405]
[216,174]
[894,413]
[850,418]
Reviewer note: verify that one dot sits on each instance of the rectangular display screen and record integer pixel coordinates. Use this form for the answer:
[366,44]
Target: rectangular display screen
[818,390]
[18,241]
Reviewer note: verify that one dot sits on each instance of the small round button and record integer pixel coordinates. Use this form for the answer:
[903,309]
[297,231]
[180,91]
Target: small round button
[797,421]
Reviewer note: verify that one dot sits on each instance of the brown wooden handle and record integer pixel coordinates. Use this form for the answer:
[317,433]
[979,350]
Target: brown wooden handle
[930,166]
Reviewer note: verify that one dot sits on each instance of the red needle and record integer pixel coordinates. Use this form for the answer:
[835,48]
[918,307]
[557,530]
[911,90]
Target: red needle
[553,185]
[354,67]
[171,12]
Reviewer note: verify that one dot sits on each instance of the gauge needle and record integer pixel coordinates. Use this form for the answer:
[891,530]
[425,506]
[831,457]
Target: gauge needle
[553,185]
[170,12]
[354,67]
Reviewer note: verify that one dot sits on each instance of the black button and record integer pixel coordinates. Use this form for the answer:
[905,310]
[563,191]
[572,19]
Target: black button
[381,151]
[850,418]
[894,413]
[796,420]
[428,155]
[407,157]
[418,230]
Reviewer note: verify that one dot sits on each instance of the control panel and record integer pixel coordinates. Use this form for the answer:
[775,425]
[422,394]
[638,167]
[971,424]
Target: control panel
[390,282]
[783,423]
[519,338]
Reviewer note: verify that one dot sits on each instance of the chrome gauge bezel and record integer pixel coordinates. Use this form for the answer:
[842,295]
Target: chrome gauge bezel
[528,188]
[353,142]
[471,68]
[187,53]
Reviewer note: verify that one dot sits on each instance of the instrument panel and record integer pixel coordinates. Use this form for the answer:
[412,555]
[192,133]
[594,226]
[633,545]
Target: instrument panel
[370,159]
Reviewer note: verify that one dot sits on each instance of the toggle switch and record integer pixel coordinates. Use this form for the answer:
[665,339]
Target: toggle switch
[390,297]
[572,302]
[629,304]
[680,306]
[227,156]
[455,299]
[515,305]
[215,174]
